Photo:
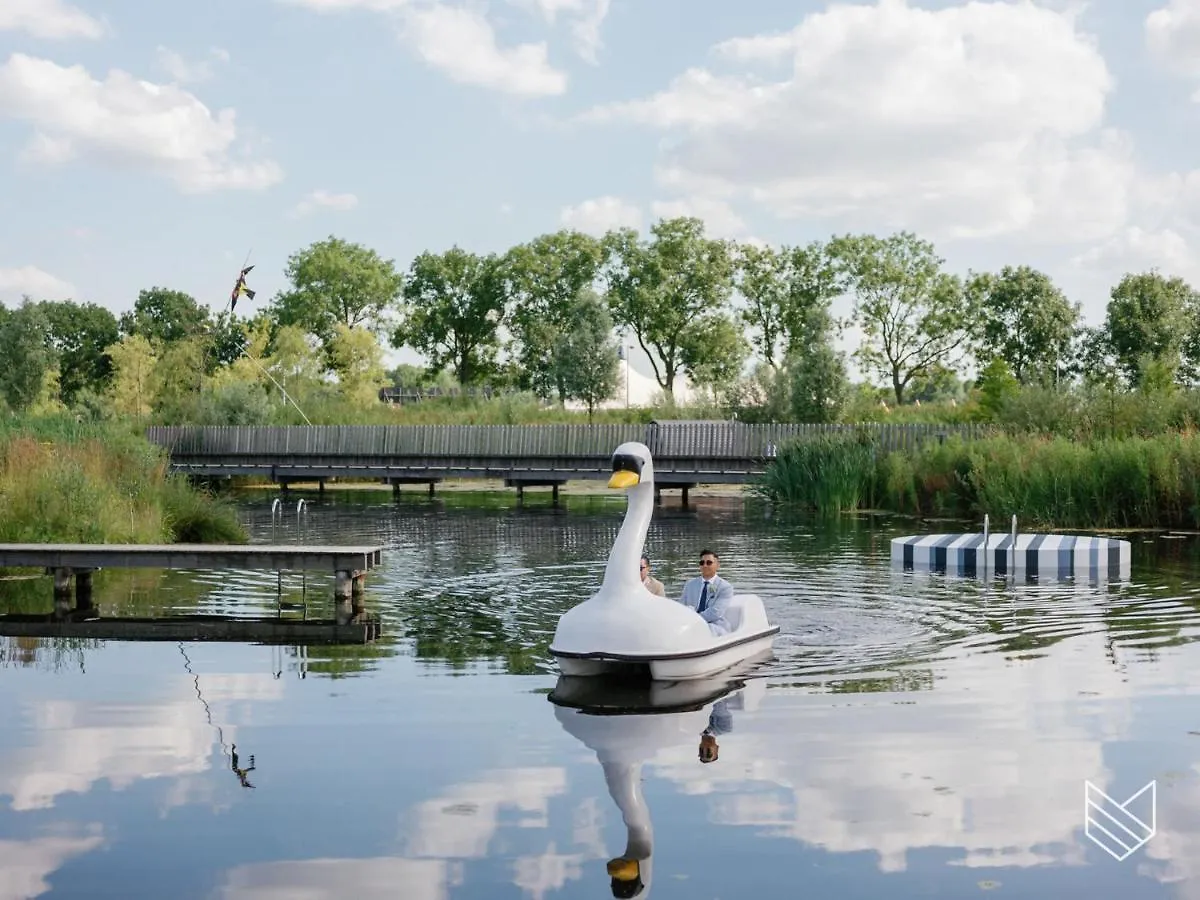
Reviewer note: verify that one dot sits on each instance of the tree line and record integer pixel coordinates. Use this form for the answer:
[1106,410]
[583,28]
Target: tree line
[544,317]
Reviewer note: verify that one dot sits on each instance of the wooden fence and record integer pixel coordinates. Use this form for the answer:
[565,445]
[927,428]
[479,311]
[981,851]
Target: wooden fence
[666,439]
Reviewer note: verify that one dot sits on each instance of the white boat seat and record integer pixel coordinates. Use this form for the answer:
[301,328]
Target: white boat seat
[733,615]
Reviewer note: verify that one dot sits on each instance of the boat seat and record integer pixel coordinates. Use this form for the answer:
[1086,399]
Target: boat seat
[733,615]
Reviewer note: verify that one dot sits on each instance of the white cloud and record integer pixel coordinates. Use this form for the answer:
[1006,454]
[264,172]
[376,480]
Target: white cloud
[971,121]
[125,121]
[335,6]
[323,199]
[719,218]
[1173,35]
[186,72]
[588,16]
[27,864]
[377,878]
[460,43]
[40,285]
[601,214]
[50,19]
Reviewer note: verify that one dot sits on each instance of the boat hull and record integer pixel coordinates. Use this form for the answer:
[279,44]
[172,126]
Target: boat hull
[711,660]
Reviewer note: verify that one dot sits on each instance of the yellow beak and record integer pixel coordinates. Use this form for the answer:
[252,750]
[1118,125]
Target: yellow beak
[623,479]
[623,869]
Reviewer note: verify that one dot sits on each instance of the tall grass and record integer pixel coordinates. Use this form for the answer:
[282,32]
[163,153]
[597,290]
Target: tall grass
[827,472]
[67,482]
[1125,482]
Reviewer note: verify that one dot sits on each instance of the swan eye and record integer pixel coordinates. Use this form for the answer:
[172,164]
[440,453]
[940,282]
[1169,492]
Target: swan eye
[625,462]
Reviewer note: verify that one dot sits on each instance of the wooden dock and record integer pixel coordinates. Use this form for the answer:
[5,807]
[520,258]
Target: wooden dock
[349,565]
[193,628]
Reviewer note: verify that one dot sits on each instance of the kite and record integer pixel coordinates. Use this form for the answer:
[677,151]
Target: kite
[240,288]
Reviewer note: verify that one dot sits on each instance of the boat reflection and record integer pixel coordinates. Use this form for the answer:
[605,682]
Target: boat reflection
[628,723]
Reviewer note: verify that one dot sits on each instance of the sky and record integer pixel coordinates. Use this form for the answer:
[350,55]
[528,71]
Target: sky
[158,144]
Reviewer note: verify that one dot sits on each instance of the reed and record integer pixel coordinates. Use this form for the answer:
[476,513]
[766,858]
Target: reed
[67,482]
[1127,482]
[827,472]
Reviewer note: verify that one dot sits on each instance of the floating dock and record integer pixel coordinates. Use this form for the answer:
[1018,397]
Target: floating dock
[1041,556]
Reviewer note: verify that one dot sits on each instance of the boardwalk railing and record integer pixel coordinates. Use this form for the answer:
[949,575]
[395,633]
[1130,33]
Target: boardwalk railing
[666,440]
[684,453]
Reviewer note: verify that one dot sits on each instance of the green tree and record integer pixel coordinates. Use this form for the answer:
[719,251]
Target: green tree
[455,303]
[588,367]
[79,334]
[336,281]
[358,361]
[761,277]
[163,316]
[912,314]
[819,385]
[1150,319]
[131,390]
[1026,321]
[672,293]
[28,355]
[545,278]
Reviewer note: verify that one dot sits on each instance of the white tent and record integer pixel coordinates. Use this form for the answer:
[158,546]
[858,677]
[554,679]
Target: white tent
[636,384]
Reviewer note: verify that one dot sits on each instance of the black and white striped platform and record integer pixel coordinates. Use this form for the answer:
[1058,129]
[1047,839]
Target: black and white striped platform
[1043,556]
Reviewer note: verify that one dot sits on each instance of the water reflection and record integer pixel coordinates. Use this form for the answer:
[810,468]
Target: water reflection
[628,725]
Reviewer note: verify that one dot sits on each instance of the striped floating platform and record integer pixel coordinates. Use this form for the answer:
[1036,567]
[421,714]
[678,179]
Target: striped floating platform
[1031,555]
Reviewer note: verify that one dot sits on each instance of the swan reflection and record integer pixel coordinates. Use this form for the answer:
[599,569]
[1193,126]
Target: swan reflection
[628,724]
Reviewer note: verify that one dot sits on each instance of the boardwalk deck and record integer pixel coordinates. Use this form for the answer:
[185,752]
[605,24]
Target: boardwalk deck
[271,557]
[192,628]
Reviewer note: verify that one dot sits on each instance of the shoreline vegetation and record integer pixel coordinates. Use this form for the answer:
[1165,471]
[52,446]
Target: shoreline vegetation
[66,481]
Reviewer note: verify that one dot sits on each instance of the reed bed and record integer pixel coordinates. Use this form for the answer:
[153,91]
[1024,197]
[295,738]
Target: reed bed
[1127,482]
[67,482]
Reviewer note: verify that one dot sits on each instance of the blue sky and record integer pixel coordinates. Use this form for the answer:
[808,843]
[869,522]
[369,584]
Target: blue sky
[1049,133]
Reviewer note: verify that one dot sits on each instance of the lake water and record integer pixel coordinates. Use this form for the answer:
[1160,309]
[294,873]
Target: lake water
[913,736]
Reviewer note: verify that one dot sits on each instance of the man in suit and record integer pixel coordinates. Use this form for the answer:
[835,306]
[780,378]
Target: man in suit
[709,594]
[653,585]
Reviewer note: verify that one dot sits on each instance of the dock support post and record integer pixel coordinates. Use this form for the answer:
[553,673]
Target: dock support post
[554,488]
[62,591]
[432,485]
[83,589]
[395,489]
[685,490]
[358,584]
[520,493]
[342,596]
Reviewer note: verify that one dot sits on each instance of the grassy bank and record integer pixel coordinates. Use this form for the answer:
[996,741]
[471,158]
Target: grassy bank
[63,481]
[1131,482]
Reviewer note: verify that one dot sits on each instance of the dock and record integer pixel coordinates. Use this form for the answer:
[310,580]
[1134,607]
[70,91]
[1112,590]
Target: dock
[77,562]
[285,632]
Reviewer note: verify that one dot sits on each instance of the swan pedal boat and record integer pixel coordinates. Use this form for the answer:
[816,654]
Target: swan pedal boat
[624,629]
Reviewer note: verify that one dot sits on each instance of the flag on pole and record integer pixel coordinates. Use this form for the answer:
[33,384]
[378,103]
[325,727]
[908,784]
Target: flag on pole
[240,288]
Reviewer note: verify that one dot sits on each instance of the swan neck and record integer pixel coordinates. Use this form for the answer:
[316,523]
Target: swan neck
[622,573]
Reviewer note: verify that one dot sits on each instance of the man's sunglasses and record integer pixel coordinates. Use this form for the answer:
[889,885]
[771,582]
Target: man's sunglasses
[708,562]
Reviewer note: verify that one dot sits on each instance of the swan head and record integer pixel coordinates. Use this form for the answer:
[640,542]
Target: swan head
[632,467]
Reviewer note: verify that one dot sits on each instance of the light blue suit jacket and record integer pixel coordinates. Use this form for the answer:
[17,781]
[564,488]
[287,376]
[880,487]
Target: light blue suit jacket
[720,592]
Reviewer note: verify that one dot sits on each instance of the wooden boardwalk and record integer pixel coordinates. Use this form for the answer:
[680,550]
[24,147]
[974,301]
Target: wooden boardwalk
[191,628]
[349,565]
[685,454]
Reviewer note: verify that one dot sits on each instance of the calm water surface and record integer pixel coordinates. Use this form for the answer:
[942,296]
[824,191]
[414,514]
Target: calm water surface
[913,736]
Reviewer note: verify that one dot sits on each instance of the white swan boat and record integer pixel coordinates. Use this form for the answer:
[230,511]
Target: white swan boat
[623,628]
[624,740]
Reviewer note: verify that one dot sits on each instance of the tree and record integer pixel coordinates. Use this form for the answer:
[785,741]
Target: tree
[1150,318]
[1026,321]
[163,316]
[671,292]
[819,386]
[358,361]
[79,333]
[913,315]
[761,275]
[588,367]
[27,353]
[336,281]
[131,391]
[544,280]
[455,303]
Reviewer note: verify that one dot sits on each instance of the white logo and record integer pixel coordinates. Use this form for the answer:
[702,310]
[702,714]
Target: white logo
[1119,828]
